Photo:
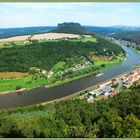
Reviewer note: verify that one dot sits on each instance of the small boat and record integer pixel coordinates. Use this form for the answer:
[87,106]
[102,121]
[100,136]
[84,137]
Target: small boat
[46,86]
[99,74]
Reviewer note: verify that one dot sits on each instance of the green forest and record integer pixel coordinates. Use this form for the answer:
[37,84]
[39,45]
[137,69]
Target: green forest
[118,116]
[45,55]
[131,36]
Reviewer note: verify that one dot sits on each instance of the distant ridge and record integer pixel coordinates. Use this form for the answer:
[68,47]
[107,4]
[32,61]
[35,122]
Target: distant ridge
[72,28]
[10,32]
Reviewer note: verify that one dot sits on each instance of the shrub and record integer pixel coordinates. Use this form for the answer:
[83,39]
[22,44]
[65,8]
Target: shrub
[18,87]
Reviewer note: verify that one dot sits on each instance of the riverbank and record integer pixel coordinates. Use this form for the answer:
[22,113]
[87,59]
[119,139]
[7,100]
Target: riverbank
[9,85]
[78,95]
[44,95]
[108,65]
[136,50]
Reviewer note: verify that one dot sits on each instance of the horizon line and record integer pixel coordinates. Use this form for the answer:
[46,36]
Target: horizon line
[68,22]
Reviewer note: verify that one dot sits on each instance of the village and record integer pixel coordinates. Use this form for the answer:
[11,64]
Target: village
[114,86]
[51,73]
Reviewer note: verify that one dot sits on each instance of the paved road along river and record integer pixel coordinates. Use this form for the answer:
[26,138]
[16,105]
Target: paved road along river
[42,94]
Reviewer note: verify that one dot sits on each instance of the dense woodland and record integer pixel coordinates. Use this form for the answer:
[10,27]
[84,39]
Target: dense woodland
[46,54]
[131,36]
[118,116]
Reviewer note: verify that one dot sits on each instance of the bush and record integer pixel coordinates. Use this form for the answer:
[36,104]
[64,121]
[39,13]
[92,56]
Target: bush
[18,87]
[103,65]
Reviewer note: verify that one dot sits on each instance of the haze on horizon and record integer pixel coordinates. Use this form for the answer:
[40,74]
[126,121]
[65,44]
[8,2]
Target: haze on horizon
[50,14]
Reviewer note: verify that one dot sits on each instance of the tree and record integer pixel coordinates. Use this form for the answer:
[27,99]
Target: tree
[18,87]
[131,126]
[103,65]
[9,127]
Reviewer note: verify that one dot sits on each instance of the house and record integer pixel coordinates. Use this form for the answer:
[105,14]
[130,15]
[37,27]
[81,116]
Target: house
[44,72]
[114,93]
[114,81]
[78,66]
[90,98]
[96,92]
[107,90]
[35,69]
[50,74]
[127,84]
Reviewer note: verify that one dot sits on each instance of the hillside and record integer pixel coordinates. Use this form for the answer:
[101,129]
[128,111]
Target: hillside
[103,30]
[45,55]
[72,28]
[112,30]
[117,117]
[55,58]
[131,36]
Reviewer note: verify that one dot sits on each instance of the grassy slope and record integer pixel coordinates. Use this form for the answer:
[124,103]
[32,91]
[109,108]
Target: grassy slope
[2,44]
[89,39]
[10,84]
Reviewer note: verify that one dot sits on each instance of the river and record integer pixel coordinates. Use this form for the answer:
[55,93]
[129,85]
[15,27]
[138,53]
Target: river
[42,94]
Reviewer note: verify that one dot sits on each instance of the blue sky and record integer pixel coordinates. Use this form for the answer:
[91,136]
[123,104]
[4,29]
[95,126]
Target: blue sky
[49,14]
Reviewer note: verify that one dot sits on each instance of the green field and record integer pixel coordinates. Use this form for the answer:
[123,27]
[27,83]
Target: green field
[28,83]
[2,45]
[86,39]
[18,43]
[8,44]
[92,39]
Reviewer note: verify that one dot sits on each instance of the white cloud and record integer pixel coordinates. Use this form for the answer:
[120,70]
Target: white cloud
[41,14]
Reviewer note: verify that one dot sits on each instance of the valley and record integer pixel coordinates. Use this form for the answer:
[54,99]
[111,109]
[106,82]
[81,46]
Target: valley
[40,75]
[21,75]
[44,94]
[69,70]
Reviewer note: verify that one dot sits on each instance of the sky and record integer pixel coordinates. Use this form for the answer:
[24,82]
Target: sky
[50,14]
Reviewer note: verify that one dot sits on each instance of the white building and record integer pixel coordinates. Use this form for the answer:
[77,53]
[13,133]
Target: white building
[90,98]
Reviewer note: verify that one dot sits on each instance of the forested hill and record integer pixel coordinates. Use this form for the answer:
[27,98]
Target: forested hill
[111,30]
[103,30]
[117,117]
[128,33]
[9,32]
[132,36]
[45,55]
[72,28]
